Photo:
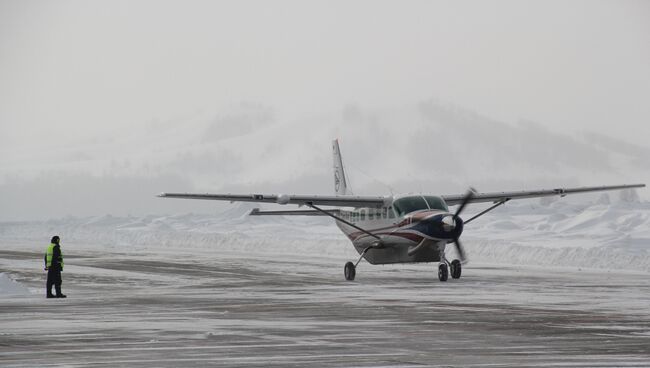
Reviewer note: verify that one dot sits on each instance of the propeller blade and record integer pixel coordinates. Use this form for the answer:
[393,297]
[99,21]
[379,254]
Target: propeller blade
[460,250]
[466,200]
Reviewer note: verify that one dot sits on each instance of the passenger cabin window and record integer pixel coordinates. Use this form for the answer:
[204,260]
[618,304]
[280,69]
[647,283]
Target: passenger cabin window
[362,214]
[384,212]
[436,203]
[371,215]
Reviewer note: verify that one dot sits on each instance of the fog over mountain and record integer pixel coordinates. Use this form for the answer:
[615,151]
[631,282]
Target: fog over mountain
[426,147]
[103,105]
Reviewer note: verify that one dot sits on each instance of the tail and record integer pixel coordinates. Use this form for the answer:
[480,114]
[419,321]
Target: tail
[340,184]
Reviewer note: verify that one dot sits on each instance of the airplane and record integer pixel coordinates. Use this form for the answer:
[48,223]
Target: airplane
[409,228]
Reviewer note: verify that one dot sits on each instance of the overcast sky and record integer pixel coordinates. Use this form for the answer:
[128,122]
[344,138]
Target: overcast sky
[79,71]
[80,65]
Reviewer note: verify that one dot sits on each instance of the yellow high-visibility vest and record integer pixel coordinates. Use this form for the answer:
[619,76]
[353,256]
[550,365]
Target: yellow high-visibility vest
[49,254]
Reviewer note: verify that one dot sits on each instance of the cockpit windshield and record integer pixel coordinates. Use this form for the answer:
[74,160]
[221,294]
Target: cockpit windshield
[417,203]
[409,204]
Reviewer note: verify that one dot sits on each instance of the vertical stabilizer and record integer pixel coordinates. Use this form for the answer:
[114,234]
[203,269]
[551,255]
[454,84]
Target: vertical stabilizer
[340,184]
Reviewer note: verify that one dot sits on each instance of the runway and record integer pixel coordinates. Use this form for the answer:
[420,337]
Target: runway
[180,307]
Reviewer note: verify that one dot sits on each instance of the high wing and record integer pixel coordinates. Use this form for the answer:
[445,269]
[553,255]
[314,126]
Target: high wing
[336,201]
[379,201]
[455,199]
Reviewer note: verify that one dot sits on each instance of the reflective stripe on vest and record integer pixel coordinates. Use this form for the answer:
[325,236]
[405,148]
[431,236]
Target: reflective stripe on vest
[49,253]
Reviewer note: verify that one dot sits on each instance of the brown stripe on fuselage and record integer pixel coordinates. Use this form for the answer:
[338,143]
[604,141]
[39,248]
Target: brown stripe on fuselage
[406,235]
[415,217]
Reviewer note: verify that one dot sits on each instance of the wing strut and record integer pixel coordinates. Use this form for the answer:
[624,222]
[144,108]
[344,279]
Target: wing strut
[310,204]
[503,201]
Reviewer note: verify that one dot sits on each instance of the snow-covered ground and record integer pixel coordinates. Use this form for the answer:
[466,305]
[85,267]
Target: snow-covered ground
[10,288]
[182,306]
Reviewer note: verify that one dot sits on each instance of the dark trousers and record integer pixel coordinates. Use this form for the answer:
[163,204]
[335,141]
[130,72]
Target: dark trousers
[53,278]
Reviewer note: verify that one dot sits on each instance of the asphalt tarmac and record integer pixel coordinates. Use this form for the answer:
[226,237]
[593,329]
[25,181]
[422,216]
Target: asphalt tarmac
[143,308]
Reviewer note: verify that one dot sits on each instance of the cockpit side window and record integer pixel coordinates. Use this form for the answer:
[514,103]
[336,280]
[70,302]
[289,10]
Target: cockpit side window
[436,203]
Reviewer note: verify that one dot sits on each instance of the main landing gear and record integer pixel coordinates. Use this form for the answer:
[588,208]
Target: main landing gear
[350,269]
[445,268]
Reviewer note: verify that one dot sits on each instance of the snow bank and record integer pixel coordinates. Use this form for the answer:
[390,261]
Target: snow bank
[599,234]
[9,287]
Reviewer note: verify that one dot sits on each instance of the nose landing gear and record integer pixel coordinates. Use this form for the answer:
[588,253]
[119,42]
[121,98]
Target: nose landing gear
[454,268]
[442,272]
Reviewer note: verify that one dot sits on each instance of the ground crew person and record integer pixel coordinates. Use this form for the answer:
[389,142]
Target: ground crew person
[54,266]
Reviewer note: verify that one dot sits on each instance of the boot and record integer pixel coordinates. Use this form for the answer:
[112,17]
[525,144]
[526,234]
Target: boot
[48,288]
[48,292]
[59,294]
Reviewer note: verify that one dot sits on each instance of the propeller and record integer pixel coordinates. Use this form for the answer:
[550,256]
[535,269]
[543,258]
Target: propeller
[468,197]
[459,247]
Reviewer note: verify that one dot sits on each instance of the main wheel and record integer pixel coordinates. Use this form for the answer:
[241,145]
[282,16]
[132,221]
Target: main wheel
[442,272]
[456,269]
[349,271]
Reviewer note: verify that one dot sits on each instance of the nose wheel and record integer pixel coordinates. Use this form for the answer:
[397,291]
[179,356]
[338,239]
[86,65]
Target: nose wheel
[443,274]
[456,269]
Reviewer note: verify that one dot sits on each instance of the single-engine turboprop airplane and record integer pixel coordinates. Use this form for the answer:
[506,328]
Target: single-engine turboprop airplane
[400,229]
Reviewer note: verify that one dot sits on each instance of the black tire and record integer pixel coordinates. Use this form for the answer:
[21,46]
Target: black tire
[456,269]
[350,271]
[443,274]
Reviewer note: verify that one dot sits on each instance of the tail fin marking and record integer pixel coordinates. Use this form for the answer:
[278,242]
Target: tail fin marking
[340,184]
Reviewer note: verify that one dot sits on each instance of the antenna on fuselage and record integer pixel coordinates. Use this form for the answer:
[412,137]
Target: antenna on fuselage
[390,189]
[341,180]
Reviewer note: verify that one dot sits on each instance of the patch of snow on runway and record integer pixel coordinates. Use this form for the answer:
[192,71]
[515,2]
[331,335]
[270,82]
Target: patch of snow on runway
[9,287]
